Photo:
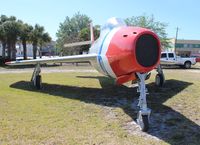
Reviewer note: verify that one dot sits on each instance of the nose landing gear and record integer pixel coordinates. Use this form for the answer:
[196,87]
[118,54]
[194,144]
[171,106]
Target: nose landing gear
[144,112]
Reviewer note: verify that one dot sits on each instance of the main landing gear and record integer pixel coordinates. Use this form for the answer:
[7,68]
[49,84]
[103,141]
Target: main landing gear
[144,112]
[160,78]
[36,77]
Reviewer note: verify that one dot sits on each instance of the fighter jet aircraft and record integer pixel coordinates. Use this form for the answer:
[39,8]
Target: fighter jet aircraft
[122,52]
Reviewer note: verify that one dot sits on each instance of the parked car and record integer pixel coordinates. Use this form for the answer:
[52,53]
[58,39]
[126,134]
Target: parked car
[197,57]
[170,58]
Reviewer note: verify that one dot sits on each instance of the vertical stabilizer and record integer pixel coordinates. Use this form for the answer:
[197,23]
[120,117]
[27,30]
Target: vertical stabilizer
[91,41]
[91,33]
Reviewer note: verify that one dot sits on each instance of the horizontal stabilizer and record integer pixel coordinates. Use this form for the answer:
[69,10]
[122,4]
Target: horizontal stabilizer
[77,44]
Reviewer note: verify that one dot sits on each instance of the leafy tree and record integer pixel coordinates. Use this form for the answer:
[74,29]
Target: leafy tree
[3,18]
[69,31]
[150,23]
[84,35]
[25,35]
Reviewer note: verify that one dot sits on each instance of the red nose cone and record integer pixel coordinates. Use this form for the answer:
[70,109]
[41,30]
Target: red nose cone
[133,49]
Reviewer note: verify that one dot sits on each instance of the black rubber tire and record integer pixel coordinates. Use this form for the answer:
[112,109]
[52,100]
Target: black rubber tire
[145,120]
[159,80]
[148,76]
[38,82]
[187,65]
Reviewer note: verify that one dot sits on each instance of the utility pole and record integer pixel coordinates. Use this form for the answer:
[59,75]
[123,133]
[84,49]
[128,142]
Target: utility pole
[176,39]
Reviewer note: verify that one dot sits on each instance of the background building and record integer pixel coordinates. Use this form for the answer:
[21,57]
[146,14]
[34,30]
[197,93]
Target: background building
[19,49]
[186,47]
[47,50]
[0,50]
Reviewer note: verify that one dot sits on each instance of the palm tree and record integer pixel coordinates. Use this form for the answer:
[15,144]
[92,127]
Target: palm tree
[12,31]
[3,41]
[36,34]
[3,18]
[38,37]
[25,33]
[44,39]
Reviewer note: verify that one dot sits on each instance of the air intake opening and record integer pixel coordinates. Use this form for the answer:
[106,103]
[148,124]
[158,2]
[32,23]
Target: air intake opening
[147,50]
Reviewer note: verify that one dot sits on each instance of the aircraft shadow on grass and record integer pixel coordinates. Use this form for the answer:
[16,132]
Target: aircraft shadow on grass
[166,123]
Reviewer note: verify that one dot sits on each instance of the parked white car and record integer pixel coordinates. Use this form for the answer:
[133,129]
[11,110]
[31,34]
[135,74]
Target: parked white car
[170,58]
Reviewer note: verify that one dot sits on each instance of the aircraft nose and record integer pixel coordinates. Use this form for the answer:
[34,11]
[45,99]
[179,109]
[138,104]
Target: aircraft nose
[133,49]
[147,50]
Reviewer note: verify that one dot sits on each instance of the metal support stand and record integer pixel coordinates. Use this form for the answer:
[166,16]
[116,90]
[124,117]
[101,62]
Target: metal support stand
[144,112]
[36,78]
[160,78]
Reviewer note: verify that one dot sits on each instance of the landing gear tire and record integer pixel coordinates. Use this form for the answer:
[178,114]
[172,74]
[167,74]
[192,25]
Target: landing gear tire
[145,119]
[187,65]
[38,82]
[144,123]
[148,76]
[159,80]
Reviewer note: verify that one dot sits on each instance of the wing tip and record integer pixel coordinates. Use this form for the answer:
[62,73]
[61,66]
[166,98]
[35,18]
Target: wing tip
[8,62]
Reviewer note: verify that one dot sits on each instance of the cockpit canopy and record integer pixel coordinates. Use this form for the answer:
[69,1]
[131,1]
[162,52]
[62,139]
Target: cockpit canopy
[112,23]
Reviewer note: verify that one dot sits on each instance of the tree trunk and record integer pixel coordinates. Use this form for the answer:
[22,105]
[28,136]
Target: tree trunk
[9,50]
[34,50]
[40,52]
[24,49]
[3,50]
[13,50]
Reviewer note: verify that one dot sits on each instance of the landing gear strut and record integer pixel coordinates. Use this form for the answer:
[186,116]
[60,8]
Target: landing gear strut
[160,78]
[36,77]
[144,112]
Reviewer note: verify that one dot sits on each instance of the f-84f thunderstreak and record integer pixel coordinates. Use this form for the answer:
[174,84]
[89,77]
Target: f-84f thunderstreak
[122,52]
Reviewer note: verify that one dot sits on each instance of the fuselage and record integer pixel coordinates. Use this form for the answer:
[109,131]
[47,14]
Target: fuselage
[123,50]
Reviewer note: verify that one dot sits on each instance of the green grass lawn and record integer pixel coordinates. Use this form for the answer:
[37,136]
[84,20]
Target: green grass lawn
[86,108]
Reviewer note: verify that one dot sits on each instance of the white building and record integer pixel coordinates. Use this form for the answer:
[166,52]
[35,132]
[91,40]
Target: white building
[19,49]
[0,49]
[47,49]
[186,47]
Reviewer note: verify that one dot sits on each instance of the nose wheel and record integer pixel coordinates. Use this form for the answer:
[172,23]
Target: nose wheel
[144,112]
[143,122]
[159,80]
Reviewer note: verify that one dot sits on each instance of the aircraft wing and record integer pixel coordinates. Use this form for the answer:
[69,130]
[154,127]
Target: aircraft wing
[73,58]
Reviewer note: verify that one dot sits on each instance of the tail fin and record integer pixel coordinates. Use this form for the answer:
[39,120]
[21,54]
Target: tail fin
[91,33]
[83,42]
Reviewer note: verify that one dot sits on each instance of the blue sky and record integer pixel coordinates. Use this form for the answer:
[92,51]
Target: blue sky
[49,13]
